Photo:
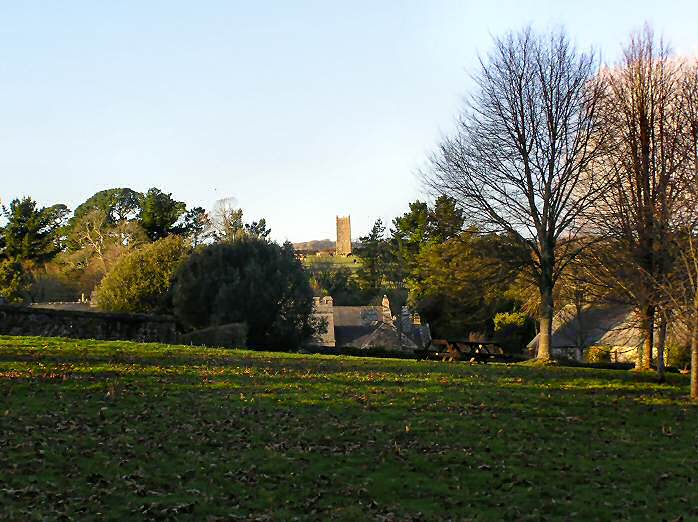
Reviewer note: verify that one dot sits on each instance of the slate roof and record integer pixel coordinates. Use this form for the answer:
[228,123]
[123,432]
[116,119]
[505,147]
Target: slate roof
[595,325]
[353,323]
[364,327]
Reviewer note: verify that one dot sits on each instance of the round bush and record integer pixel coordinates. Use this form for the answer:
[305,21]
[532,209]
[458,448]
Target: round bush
[140,281]
[598,354]
[249,281]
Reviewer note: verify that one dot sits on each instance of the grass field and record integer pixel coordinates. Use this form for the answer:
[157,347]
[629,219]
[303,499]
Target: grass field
[353,263]
[131,431]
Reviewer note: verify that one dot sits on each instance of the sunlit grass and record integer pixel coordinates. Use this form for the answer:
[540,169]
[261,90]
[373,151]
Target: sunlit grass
[121,430]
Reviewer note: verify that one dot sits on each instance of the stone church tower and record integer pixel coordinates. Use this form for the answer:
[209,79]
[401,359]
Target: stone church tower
[343,246]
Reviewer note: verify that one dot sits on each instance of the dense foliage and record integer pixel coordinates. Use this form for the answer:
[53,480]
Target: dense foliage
[118,204]
[31,233]
[65,256]
[14,281]
[339,282]
[459,285]
[456,278]
[251,281]
[513,330]
[141,280]
[159,213]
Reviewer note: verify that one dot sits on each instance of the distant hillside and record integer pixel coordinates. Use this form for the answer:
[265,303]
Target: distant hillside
[317,245]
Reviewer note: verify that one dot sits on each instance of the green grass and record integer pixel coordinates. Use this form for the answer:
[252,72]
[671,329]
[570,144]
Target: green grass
[353,263]
[128,431]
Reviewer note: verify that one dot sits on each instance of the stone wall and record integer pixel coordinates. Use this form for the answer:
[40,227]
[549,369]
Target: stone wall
[323,308]
[19,320]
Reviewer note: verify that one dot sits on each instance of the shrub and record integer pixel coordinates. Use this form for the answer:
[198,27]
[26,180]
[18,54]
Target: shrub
[251,281]
[232,335]
[598,354]
[512,330]
[140,281]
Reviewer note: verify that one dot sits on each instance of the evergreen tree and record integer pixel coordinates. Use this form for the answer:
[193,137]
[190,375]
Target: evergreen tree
[14,281]
[258,229]
[118,204]
[31,233]
[459,285]
[251,281]
[196,225]
[445,221]
[410,231]
[373,252]
[159,213]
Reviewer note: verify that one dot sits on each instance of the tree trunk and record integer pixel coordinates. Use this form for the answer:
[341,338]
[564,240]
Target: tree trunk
[661,344]
[546,325]
[694,364]
[645,360]
[694,353]
[581,337]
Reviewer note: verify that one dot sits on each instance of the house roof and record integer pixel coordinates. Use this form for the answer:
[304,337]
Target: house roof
[366,327]
[352,324]
[357,315]
[383,336]
[595,325]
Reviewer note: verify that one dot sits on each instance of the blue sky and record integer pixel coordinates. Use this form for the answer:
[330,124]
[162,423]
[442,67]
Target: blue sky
[301,110]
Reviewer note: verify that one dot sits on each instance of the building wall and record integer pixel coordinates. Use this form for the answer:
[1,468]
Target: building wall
[616,354]
[343,247]
[323,308]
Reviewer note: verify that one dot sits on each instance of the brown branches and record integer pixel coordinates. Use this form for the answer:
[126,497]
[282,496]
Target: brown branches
[644,161]
[520,159]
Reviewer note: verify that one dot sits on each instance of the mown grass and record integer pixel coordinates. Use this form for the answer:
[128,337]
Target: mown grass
[126,431]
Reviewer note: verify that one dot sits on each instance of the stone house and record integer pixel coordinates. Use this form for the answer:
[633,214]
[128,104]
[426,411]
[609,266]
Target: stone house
[615,327]
[367,327]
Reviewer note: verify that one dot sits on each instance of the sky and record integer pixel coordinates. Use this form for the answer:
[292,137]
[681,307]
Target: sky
[301,110]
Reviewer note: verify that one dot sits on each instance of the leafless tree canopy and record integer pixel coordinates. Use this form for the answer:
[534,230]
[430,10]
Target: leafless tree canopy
[644,161]
[686,296]
[689,90]
[227,218]
[521,159]
[525,140]
[643,155]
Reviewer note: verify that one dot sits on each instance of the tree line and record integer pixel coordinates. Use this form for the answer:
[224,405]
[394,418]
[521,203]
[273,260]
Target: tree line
[146,253]
[49,253]
[461,280]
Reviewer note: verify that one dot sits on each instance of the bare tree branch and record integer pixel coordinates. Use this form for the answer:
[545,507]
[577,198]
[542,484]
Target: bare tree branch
[521,158]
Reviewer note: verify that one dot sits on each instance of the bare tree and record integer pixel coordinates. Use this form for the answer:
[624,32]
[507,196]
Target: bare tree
[227,219]
[682,293]
[521,157]
[643,158]
[688,239]
[691,259]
